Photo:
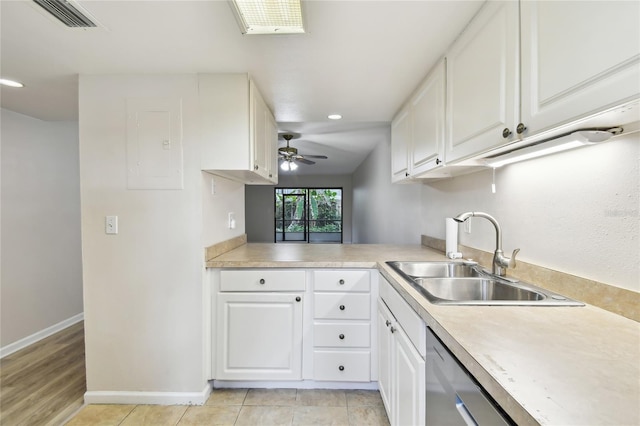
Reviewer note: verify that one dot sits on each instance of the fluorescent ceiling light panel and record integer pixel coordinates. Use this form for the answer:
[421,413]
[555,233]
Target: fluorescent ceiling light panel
[564,143]
[269,16]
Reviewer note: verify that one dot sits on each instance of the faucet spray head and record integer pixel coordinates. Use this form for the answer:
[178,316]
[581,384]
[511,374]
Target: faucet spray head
[463,216]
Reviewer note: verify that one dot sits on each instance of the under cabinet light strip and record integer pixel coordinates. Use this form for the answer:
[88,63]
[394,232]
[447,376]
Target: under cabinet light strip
[564,143]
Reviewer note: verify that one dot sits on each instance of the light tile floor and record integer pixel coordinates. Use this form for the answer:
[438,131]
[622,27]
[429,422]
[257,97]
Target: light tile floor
[249,407]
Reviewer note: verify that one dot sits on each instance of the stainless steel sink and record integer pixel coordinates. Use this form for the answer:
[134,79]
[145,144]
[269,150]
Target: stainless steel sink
[437,269]
[466,283]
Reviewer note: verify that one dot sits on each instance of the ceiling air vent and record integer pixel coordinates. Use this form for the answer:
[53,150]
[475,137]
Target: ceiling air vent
[67,12]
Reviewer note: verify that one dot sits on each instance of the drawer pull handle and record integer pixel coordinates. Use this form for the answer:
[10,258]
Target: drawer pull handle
[298,298]
[341,337]
[341,282]
[388,323]
[262,281]
[393,329]
[342,307]
[341,368]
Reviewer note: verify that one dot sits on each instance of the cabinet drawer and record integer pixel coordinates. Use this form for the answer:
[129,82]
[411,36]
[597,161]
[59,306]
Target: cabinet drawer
[342,281]
[262,280]
[342,306]
[348,366]
[342,335]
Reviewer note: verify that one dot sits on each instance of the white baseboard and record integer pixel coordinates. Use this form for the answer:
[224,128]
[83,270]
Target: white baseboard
[299,384]
[35,337]
[148,398]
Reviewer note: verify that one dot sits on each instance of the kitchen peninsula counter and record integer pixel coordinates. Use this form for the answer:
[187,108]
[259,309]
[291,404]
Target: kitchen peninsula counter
[542,365]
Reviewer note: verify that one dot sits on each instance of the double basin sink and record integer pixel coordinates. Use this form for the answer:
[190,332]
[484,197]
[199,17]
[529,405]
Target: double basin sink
[466,283]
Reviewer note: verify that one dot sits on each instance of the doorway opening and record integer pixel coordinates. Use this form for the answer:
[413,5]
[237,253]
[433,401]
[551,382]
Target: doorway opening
[311,215]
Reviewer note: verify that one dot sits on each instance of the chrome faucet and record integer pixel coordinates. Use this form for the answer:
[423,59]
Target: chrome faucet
[500,262]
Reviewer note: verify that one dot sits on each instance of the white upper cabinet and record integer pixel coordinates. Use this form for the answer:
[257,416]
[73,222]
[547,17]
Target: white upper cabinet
[578,59]
[239,135]
[400,142]
[417,132]
[482,82]
[271,131]
[427,122]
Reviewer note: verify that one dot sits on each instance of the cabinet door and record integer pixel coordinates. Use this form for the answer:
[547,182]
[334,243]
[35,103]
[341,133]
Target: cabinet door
[400,138]
[385,346]
[427,123]
[482,82]
[259,117]
[409,381]
[259,336]
[225,122]
[272,147]
[578,58]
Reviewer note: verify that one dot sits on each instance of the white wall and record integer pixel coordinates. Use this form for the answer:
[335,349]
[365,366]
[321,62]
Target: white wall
[41,282]
[259,204]
[143,288]
[384,213]
[575,212]
[221,196]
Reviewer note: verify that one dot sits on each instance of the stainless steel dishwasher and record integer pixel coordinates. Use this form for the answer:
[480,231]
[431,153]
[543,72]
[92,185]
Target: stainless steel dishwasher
[453,395]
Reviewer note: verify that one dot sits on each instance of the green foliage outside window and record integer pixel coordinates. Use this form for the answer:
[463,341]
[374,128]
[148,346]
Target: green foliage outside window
[322,208]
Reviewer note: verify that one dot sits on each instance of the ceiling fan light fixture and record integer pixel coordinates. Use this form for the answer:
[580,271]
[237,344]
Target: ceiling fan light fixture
[288,166]
[269,16]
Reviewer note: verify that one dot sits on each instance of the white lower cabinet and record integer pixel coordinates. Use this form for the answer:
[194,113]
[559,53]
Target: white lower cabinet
[260,336]
[401,366]
[259,325]
[385,354]
[342,326]
[269,325]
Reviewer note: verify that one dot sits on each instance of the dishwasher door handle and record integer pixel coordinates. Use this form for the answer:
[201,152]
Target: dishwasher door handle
[464,412]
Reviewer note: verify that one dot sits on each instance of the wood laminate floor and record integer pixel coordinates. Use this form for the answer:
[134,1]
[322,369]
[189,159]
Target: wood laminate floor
[44,383]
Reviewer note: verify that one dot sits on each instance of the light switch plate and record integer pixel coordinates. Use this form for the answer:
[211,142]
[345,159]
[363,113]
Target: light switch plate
[111,225]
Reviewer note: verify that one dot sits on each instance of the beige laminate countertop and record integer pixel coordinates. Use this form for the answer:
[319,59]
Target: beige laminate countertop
[543,365]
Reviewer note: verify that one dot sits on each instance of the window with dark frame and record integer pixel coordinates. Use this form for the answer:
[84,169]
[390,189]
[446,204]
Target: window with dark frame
[311,215]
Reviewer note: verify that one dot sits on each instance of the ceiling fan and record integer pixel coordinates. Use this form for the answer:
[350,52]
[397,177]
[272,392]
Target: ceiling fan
[291,157]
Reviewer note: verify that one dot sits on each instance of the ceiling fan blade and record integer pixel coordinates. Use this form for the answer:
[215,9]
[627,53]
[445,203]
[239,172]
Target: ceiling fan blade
[304,161]
[324,157]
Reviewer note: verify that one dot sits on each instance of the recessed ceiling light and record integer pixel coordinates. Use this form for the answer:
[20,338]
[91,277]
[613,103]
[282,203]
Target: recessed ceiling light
[10,83]
[334,117]
[269,17]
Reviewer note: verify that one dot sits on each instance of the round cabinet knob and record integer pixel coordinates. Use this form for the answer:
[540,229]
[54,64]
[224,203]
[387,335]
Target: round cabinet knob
[438,161]
[341,282]
[262,281]
[506,132]
[388,323]
[270,175]
[342,307]
[521,128]
[298,298]
[393,329]
[406,174]
[255,167]
[341,337]
[341,368]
